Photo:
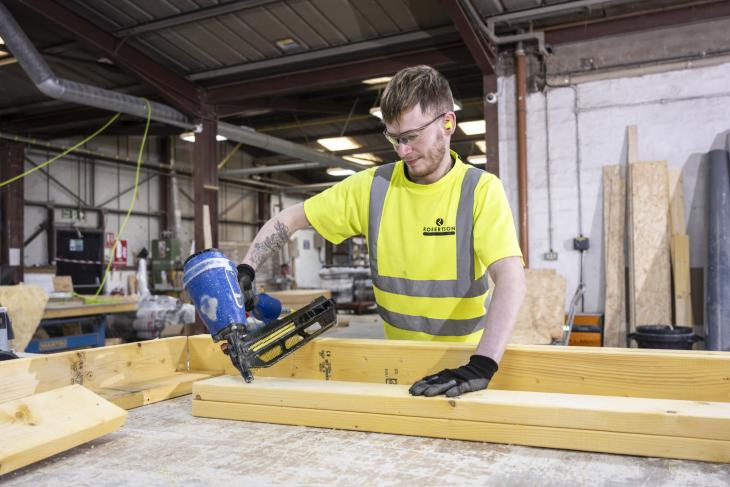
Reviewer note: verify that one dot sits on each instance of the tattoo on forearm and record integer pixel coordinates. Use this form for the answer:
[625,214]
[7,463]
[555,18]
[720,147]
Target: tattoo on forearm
[273,243]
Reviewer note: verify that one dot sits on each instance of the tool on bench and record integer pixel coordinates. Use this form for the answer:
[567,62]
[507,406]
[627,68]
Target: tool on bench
[6,334]
[211,280]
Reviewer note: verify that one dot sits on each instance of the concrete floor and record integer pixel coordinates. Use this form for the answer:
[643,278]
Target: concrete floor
[163,444]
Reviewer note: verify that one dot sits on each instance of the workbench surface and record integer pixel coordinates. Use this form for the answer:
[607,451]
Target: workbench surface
[163,444]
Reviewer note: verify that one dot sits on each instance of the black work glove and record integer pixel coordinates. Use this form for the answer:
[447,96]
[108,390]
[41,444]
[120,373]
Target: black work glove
[471,377]
[246,275]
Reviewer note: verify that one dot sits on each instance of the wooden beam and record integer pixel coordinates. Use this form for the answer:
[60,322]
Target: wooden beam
[136,394]
[649,427]
[676,203]
[682,288]
[664,374]
[42,425]
[614,226]
[106,367]
[649,262]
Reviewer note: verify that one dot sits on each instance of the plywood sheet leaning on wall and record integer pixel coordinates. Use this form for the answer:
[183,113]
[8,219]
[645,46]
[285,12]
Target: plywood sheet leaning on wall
[614,231]
[25,303]
[649,262]
[540,319]
[649,427]
[39,426]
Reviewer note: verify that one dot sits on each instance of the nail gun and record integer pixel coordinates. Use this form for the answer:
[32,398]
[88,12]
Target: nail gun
[211,280]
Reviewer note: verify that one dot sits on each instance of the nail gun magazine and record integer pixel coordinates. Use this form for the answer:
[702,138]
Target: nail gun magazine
[211,280]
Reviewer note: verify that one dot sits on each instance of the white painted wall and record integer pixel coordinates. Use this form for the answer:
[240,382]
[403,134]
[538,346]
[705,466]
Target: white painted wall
[680,115]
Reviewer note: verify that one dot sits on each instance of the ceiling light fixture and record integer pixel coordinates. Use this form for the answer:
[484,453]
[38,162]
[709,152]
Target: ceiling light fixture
[377,81]
[339,171]
[190,137]
[338,143]
[473,127]
[477,160]
[364,159]
[482,145]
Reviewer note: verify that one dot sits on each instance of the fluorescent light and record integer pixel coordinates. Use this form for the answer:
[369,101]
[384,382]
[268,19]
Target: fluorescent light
[473,127]
[339,143]
[482,145]
[457,105]
[339,171]
[375,112]
[479,159]
[364,159]
[190,137]
[377,81]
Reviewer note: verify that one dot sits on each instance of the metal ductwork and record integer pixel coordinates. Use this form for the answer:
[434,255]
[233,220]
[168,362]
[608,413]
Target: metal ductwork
[296,166]
[71,91]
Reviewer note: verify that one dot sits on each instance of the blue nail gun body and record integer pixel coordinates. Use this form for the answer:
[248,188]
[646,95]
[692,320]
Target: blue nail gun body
[211,280]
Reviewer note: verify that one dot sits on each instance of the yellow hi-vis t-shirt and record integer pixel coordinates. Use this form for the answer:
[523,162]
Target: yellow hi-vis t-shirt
[414,242]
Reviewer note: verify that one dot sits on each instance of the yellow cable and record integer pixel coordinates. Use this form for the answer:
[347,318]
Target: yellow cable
[131,204]
[70,149]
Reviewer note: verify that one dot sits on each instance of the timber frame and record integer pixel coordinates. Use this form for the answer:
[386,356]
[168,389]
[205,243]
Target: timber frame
[663,403]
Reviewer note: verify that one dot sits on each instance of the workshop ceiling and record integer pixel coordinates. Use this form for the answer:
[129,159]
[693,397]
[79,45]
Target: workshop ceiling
[290,68]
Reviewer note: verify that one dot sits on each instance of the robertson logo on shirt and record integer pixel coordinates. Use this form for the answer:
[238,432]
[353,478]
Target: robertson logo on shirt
[439,229]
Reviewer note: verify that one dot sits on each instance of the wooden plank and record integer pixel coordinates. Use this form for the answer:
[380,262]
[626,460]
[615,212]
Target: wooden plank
[676,203]
[540,436]
[632,152]
[614,216]
[104,367]
[682,288]
[136,394]
[60,311]
[25,303]
[690,419]
[42,425]
[299,298]
[649,261]
[660,374]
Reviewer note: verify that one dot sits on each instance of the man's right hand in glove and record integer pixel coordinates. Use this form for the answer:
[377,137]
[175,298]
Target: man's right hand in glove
[246,276]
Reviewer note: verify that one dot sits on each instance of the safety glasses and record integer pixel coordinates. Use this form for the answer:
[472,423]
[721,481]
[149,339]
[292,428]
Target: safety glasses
[410,137]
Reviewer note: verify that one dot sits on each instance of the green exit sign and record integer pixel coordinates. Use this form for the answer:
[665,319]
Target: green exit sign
[73,214]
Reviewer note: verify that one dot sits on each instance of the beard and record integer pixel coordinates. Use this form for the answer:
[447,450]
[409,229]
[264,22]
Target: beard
[431,160]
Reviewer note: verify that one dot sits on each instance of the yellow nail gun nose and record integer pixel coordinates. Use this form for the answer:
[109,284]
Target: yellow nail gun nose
[211,281]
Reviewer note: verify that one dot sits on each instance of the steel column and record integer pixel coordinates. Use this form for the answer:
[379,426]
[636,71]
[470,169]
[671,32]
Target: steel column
[11,213]
[205,181]
[522,152]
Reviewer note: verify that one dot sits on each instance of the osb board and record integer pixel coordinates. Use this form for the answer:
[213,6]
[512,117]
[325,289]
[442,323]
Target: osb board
[541,317]
[663,374]
[39,426]
[613,425]
[25,303]
[105,367]
[676,203]
[680,274]
[63,284]
[614,224]
[649,262]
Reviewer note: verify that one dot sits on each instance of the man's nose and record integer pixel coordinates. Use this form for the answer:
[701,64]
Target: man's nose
[403,150]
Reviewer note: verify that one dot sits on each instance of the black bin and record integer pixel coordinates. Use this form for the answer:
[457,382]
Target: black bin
[664,336]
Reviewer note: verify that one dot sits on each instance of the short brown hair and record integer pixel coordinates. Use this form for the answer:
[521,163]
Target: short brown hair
[416,85]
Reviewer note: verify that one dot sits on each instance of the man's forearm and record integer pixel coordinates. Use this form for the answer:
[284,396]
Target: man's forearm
[274,235]
[507,296]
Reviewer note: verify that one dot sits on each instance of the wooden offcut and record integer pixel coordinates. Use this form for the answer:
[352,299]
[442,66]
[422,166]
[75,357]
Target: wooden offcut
[41,425]
[680,273]
[614,224]
[677,222]
[658,374]
[648,243]
[650,427]
[298,298]
[25,303]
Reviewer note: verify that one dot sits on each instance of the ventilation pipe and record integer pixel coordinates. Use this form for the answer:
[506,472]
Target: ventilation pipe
[71,91]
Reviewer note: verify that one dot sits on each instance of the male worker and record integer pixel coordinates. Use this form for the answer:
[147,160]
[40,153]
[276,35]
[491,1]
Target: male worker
[434,227]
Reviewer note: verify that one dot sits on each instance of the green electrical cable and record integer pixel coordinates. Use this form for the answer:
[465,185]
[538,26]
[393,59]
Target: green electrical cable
[67,151]
[131,204]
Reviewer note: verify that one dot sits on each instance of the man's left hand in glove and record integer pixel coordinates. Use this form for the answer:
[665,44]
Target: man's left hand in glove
[471,377]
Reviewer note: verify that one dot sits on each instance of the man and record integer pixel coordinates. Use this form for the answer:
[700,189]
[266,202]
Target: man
[434,226]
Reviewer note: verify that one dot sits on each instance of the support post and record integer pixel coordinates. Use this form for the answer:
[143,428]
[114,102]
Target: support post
[11,213]
[491,117]
[520,80]
[205,182]
[164,186]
